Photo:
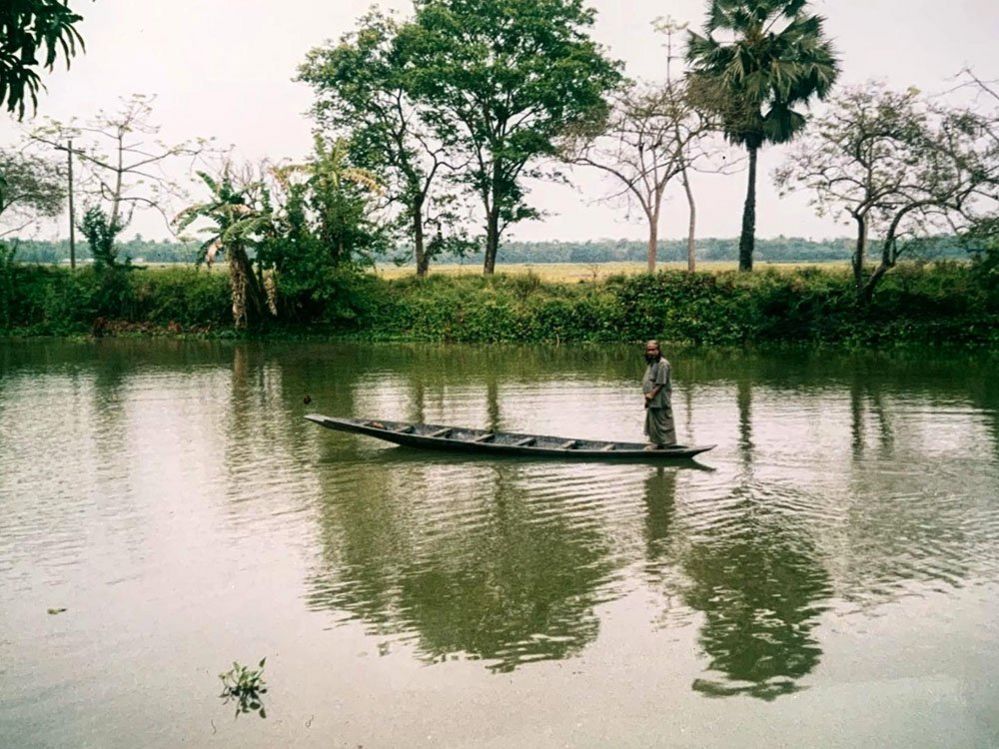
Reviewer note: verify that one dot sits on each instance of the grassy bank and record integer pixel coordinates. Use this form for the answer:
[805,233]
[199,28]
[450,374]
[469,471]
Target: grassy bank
[939,303]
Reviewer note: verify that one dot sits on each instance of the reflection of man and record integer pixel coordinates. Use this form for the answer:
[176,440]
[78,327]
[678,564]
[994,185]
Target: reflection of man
[657,388]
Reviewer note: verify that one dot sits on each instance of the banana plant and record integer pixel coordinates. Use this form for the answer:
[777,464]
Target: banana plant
[238,223]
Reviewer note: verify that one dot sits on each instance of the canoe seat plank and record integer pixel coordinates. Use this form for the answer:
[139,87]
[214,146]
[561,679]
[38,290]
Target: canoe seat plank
[484,438]
[568,444]
[525,442]
[406,429]
[607,448]
[441,432]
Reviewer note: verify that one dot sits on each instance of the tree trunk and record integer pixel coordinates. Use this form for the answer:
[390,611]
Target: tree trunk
[748,237]
[492,242]
[237,283]
[653,241]
[888,260]
[691,226]
[859,255]
[866,293]
[419,251]
[889,251]
[248,302]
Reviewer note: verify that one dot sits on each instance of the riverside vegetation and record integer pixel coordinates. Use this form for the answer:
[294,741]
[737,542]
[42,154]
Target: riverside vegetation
[401,160]
[942,302]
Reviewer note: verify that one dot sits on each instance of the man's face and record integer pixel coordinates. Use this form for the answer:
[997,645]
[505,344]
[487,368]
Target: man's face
[651,353]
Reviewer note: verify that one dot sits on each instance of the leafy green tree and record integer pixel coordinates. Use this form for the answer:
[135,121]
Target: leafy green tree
[340,198]
[502,80]
[32,34]
[765,58]
[362,89]
[30,188]
[294,226]
[981,235]
[101,232]
[325,228]
[983,238]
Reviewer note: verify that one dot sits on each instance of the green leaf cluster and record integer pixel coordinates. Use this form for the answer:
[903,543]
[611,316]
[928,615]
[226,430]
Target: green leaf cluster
[471,94]
[244,686]
[32,35]
[758,62]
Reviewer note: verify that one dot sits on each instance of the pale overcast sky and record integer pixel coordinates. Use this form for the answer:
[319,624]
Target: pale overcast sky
[224,68]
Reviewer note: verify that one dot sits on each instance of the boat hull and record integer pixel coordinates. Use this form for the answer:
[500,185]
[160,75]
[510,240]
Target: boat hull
[483,442]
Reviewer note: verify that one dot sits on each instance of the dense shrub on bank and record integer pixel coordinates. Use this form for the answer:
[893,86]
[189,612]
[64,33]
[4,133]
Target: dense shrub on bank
[56,301]
[936,303]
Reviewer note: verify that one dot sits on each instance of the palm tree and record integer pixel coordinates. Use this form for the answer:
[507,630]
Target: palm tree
[759,59]
[238,224]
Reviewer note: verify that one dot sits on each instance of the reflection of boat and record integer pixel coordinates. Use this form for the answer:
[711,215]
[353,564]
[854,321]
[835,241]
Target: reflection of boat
[461,439]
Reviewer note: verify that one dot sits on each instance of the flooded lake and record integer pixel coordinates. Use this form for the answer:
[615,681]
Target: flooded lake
[827,576]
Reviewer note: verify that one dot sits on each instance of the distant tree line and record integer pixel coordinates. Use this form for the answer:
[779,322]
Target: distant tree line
[776,250]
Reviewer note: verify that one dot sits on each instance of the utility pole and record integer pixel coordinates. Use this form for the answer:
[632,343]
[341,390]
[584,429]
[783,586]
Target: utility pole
[72,215]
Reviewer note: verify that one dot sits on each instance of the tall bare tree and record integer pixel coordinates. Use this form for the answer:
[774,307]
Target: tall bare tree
[126,166]
[650,131]
[654,134]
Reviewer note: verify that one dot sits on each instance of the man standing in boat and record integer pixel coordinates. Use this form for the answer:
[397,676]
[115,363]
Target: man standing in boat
[657,388]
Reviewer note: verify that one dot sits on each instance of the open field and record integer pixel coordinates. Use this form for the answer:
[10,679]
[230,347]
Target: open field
[574,272]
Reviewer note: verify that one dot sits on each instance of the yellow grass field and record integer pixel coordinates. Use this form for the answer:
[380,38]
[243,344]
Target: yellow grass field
[575,272]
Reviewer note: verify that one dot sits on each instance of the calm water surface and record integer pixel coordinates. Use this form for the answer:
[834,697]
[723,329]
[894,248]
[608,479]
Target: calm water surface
[828,576]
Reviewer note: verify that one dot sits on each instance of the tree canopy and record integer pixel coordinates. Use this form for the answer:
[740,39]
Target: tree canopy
[363,89]
[502,80]
[30,188]
[900,167]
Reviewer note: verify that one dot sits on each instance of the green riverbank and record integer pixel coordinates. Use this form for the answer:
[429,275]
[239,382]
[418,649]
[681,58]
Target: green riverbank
[941,303]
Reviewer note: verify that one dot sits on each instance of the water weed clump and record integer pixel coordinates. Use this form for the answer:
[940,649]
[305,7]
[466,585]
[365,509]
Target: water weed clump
[244,686]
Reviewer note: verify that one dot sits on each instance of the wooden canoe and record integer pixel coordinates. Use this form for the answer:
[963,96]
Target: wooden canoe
[461,439]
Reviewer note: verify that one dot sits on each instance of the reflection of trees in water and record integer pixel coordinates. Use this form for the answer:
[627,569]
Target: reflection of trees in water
[984,392]
[110,427]
[908,516]
[660,514]
[759,587]
[867,396]
[264,428]
[758,581]
[744,401]
[469,566]
[492,404]
[460,556]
